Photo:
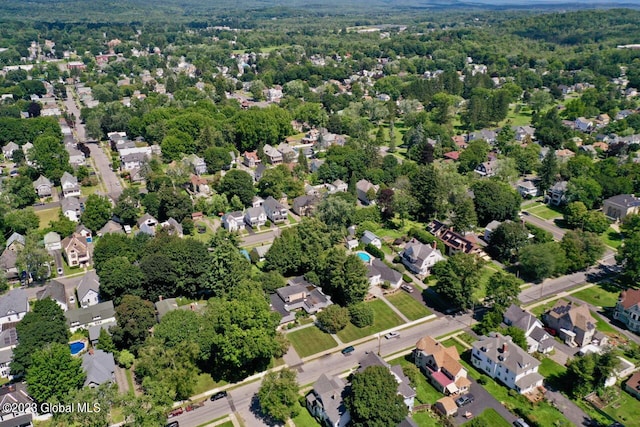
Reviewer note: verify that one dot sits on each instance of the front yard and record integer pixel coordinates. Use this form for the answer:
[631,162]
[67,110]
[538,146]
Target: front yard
[545,212]
[384,318]
[600,295]
[611,238]
[408,306]
[311,340]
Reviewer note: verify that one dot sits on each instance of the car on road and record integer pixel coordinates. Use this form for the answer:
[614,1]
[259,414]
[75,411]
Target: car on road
[464,400]
[393,334]
[173,424]
[348,350]
[219,395]
[407,288]
[520,423]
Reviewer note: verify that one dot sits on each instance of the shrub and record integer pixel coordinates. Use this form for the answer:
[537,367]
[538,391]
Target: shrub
[422,235]
[483,380]
[125,359]
[407,278]
[397,259]
[333,318]
[374,251]
[361,315]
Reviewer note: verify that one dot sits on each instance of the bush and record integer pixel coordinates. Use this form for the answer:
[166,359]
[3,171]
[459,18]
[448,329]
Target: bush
[422,235]
[374,251]
[333,318]
[407,278]
[125,359]
[397,259]
[483,380]
[361,315]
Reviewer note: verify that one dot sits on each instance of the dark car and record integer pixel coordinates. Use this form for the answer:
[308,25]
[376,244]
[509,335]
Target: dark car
[464,400]
[219,395]
[348,350]
[173,424]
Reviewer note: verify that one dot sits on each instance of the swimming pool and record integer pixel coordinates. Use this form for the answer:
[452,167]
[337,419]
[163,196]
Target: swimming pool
[76,347]
[365,257]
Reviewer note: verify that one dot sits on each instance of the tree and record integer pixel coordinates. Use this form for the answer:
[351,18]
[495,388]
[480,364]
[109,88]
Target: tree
[54,373]
[585,190]
[502,289]
[548,171]
[361,315]
[174,204]
[125,359]
[217,158]
[278,395]
[333,319]
[336,212]
[50,157]
[582,249]
[630,224]
[589,372]
[33,258]
[629,257]
[103,397]
[507,239]
[458,277]
[238,183]
[97,212]
[43,325]
[135,318]
[344,277]
[105,342]
[473,155]
[22,192]
[517,336]
[495,200]
[118,277]
[464,214]
[63,226]
[575,214]
[21,221]
[370,387]
[127,206]
[542,260]
[227,266]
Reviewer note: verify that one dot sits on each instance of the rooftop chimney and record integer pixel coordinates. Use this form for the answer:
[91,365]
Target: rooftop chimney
[504,347]
[160,297]
[434,245]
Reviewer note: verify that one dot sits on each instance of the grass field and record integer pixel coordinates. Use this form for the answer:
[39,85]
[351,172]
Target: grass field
[538,310]
[545,212]
[425,392]
[601,295]
[519,118]
[205,382]
[489,417]
[603,326]
[47,216]
[455,343]
[549,368]
[304,418]
[311,340]
[611,238]
[408,306]
[487,271]
[624,409]
[384,318]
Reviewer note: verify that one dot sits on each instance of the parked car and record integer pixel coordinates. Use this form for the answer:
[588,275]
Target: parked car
[219,395]
[348,350]
[407,288]
[464,400]
[176,412]
[173,424]
[520,423]
[393,334]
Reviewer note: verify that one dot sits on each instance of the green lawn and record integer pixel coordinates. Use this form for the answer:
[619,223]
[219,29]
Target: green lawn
[518,118]
[611,238]
[455,343]
[425,392]
[384,318]
[549,367]
[205,383]
[624,409]
[538,310]
[486,273]
[304,418]
[226,424]
[425,419]
[545,212]
[47,216]
[601,295]
[467,337]
[491,418]
[311,340]
[411,308]
[603,326]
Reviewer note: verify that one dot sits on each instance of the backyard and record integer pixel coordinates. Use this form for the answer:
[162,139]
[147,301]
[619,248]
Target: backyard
[425,392]
[408,306]
[311,340]
[384,318]
[46,216]
[623,408]
[304,418]
[489,417]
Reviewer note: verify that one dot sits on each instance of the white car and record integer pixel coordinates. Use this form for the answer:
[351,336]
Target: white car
[393,334]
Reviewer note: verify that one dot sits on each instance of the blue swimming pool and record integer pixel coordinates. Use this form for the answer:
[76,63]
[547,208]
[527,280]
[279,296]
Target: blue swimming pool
[76,347]
[364,256]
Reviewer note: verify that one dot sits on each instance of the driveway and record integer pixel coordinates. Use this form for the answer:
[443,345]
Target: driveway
[483,400]
[568,408]
[103,169]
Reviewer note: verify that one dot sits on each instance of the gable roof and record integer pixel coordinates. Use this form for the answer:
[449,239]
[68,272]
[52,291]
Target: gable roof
[70,204]
[418,251]
[502,350]
[272,204]
[15,237]
[51,237]
[8,338]
[54,290]
[256,212]
[8,259]
[626,200]
[329,390]
[76,242]
[83,316]
[368,237]
[445,357]
[111,227]
[520,318]
[42,180]
[387,274]
[89,282]
[14,301]
[67,178]
[629,298]
[99,366]
[144,218]
[578,315]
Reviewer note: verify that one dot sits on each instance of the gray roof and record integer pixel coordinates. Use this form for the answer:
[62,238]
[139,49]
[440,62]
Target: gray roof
[145,218]
[368,237]
[52,237]
[237,215]
[8,338]
[493,225]
[134,157]
[89,282]
[54,290]
[14,301]
[387,274]
[164,306]
[99,366]
[305,201]
[11,146]
[6,355]
[15,237]
[627,200]
[94,331]
[255,212]
[418,251]
[329,390]
[372,359]
[560,187]
[404,386]
[68,178]
[42,180]
[520,318]
[514,358]
[83,316]
[261,251]
[111,227]
[70,204]
[8,259]
[272,204]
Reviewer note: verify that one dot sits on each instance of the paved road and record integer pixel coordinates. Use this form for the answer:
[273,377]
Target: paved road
[73,108]
[256,239]
[557,232]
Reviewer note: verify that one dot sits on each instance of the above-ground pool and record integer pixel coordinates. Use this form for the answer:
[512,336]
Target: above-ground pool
[364,256]
[76,347]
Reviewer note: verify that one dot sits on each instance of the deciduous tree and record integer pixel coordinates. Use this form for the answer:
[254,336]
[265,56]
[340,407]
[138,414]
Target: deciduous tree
[278,394]
[54,373]
[333,319]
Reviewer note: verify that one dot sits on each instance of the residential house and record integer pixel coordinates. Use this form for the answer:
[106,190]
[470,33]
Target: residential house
[305,205]
[83,230]
[527,189]
[258,253]
[501,359]
[573,323]
[314,165]
[524,133]
[453,241]
[368,238]
[84,318]
[537,338]
[99,367]
[13,306]
[8,150]
[257,201]
[441,365]
[111,227]
[298,294]
[198,164]
[556,195]
[446,406]
[76,250]
[452,155]
[255,217]
[627,309]
[420,258]
[199,185]
[146,229]
[488,168]
[251,159]
[404,386]
[632,386]
[489,229]
[590,150]
[341,186]
[273,155]
[618,207]
[288,154]
[70,186]
[485,134]
[379,273]
[8,264]
[94,332]
[564,154]
[366,190]
[18,408]
[166,305]
[132,161]
[460,141]
[8,341]
[325,401]
[583,125]
[173,227]
[89,289]
[148,220]
[276,212]
[259,172]
[43,186]
[76,157]
[15,242]
[233,221]
[57,292]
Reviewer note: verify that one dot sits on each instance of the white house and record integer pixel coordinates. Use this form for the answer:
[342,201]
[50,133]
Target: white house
[52,241]
[70,186]
[275,211]
[537,338]
[233,221]
[83,318]
[71,208]
[13,306]
[89,289]
[368,238]
[255,217]
[420,258]
[627,309]
[500,358]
